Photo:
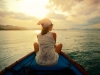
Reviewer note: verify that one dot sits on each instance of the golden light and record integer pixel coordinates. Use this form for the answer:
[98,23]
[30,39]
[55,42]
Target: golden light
[35,8]
[37,31]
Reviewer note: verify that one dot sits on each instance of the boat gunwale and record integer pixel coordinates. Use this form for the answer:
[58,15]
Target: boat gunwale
[72,61]
[79,67]
[16,62]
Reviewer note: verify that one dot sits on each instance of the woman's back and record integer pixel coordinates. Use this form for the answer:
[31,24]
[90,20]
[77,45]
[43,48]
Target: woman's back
[46,54]
[46,41]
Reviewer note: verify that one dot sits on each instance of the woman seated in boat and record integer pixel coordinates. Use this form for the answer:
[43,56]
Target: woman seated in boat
[47,52]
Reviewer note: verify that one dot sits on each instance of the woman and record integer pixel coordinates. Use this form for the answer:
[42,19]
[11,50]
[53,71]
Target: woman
[47,53]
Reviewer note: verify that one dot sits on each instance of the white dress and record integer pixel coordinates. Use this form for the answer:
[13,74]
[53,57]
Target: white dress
[46,56]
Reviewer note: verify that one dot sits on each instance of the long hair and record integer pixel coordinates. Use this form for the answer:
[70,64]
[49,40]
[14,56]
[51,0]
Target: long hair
[44,30]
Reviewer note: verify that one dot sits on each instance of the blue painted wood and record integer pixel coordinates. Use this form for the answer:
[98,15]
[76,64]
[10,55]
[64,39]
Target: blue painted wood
[30,62]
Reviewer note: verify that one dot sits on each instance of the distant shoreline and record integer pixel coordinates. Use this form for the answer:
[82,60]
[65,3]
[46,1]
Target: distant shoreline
[11,27]
[39,29]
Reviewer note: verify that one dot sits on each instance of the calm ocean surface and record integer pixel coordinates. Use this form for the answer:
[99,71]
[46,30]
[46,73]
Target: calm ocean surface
[82,46]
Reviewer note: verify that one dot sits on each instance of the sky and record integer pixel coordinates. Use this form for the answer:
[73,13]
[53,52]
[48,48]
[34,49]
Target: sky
[64,14]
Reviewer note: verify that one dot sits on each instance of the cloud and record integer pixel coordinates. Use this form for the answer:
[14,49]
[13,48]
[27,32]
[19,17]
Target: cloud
[17,15]
[18,19]
[64,5]
[95,26]
[22,16]
[81,13]
[91,2]
[53,15]
[90,23]
[75,6]
[87,8]
[3,5]
[1,20]
[94,20]
[4,12]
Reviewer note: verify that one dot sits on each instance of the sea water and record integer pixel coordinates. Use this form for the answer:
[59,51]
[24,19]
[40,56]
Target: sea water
[83,46]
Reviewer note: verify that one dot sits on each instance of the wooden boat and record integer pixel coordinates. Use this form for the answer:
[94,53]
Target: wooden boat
[28,66]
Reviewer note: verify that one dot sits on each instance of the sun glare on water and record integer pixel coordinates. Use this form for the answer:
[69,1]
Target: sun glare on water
[38,31]
[35,8]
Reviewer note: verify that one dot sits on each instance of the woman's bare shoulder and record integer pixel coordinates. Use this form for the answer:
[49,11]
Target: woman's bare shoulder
[54,34]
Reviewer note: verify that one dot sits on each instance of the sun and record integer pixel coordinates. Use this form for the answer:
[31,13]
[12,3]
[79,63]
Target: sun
[35,8]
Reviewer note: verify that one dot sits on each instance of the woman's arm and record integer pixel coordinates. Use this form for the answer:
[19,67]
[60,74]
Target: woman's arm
[54,36]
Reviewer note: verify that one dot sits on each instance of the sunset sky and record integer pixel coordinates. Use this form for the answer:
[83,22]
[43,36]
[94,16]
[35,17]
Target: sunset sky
[64,14]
